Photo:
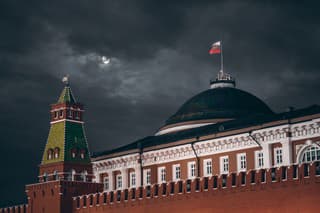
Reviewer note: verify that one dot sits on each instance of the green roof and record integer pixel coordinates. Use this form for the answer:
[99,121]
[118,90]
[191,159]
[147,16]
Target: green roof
[151,141]
[66,136]
[66,96]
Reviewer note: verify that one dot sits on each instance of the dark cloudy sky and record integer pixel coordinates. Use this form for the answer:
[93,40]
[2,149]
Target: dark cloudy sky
[159,58]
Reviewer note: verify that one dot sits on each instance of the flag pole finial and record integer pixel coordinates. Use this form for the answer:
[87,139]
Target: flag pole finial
[65,80]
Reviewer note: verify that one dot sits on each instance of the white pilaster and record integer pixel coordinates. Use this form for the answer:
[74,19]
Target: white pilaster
[124,174]
[286,152]
[266,149]
[138,176]
[111,181]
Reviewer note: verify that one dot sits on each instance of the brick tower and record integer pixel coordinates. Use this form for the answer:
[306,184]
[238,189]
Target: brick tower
[65,170]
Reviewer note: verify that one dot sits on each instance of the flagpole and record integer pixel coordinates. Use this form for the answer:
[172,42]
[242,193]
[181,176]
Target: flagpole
[221,58]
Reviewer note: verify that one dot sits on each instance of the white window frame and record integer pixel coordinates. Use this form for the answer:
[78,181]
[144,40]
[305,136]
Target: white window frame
[192,169]
[133,179]
[207,167]
[106,183]
[162,174]
[119,181]
[278,156]
[176,172]
[259,159]
[147,177]
[224,168]
[242,162]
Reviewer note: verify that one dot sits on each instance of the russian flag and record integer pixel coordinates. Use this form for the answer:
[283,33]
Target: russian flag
[215,48]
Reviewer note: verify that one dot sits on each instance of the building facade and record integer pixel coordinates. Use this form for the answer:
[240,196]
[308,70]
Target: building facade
[224,150]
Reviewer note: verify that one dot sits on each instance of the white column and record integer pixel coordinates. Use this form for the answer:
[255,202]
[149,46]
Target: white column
[96,175]
[137,169]
[286,152]
[124,174]
[111,183]
[266,149]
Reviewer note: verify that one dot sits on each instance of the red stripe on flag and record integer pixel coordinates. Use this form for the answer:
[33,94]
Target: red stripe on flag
[214,50]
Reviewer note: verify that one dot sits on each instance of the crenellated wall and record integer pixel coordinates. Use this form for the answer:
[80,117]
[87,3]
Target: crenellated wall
[15,209]
[288,189]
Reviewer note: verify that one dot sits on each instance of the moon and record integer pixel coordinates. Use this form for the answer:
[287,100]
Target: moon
[105,60]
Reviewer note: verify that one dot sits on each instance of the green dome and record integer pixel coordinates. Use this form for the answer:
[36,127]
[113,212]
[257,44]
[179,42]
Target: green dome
[220,103]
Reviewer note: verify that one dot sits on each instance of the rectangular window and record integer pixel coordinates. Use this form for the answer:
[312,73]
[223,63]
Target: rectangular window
[224,164]
[162,174]
[259,159]
[242,163]
[191,170]
[176,172]
[55,114]
[132,179]
[119,181]
[278,156]
[61,113]
[106,183]
[147,176]
[69,113]
[207,167]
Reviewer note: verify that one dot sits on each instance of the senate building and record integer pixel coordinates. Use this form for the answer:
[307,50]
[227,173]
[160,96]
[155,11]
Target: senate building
[223,150]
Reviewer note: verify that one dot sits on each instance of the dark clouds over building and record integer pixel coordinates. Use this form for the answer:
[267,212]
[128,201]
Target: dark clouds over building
[159,58]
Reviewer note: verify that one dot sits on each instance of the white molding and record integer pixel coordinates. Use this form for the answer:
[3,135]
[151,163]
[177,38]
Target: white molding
[75,121]
[179,128]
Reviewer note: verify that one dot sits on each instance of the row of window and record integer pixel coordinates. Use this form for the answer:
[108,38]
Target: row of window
[71,176]
[310,154]
[70,114]
[53,153]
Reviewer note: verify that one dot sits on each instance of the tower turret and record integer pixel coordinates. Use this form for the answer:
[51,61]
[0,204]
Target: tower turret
[66,155]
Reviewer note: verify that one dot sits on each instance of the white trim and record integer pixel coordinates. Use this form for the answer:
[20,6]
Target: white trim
[53,122]
[146,173]
[179,128]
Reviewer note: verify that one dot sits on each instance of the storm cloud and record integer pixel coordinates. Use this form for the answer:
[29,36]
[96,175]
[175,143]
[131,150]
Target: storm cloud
[159,59]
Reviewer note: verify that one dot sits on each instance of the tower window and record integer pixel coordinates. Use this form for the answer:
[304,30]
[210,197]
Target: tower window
[56,152]
[70,113]
[55,114]
[61,113]
[50,153]
[73,153]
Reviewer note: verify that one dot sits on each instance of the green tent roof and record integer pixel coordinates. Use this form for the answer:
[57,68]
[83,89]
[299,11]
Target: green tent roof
[66,96]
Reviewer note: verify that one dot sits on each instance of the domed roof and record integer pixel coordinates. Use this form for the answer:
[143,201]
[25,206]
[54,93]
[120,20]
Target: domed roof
[219,103]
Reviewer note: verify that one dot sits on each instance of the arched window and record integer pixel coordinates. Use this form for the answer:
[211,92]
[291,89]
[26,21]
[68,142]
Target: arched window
[74,153]
[56,152]
[49,154]
[82,153]
[45,177]
[84,176]
[310,153]
[55,175]
[71,175]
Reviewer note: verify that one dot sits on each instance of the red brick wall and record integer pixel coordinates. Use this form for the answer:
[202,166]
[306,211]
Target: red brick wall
[289,195]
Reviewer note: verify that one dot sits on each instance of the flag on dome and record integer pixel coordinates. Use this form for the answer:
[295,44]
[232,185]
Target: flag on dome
[215,48]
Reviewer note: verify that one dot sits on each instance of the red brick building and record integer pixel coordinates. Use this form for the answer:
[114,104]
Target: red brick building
[224,150]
